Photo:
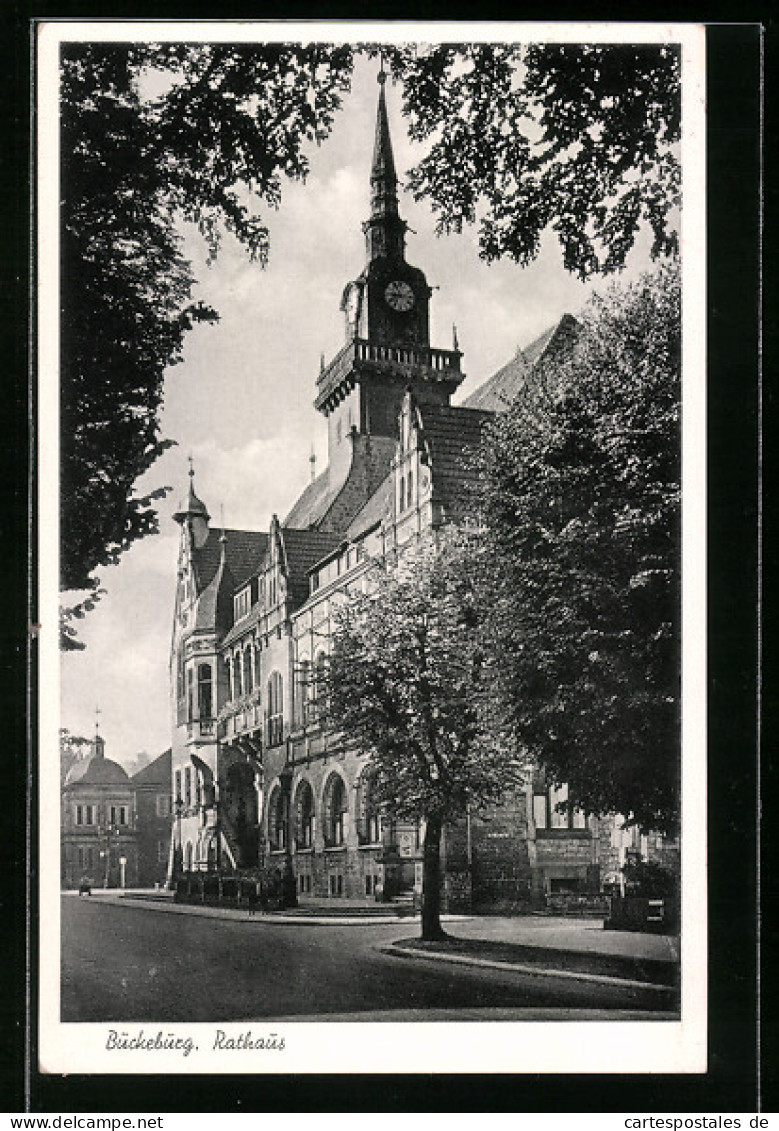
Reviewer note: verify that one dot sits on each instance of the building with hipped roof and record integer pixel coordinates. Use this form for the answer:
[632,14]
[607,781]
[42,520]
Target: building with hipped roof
[256,777]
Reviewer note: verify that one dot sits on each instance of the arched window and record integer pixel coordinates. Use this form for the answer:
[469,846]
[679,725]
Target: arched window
[368,814]
[204,691]
[237,675]
[410,488]
[402,495]
[248,668]
[277,824]
[336,815]
[188,857]
[275,709]
[304,816]
[190,694]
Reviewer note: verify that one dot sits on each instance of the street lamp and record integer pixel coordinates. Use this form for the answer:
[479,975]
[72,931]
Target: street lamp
[106,854]
[122,873]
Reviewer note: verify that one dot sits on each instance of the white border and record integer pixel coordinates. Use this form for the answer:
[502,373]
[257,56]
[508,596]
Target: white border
[506,1047]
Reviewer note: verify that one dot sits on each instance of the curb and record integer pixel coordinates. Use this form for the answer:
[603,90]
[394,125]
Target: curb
[541,971]
[232,915]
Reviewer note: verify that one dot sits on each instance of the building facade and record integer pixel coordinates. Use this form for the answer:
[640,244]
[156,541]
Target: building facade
[153,809]
[98,823]
[256,776]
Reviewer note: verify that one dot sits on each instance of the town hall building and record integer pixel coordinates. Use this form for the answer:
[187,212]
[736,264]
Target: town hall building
[258,779]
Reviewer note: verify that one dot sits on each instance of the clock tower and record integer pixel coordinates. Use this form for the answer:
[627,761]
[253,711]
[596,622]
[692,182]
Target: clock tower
[387,321]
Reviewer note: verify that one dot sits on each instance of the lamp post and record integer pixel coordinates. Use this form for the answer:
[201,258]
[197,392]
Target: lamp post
[122,871]
[106,854]
[178,854]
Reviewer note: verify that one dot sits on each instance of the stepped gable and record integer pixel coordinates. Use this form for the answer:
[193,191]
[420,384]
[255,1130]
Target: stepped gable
[497,393]
[96,770]
[156,773]
[450,437]
[244,551]
[312,504]
[373,511]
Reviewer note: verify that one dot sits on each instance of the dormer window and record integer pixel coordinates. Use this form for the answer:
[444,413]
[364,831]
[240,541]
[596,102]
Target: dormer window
[242,603]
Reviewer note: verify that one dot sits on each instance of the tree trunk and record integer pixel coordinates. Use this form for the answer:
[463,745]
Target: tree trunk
[431,881]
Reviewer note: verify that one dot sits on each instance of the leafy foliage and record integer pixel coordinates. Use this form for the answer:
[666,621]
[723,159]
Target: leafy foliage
[576,138]
[580,139]
[409,682]
[227,124]
[582,507]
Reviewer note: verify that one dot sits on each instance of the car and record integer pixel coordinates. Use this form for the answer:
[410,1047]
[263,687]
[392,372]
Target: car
[85,886]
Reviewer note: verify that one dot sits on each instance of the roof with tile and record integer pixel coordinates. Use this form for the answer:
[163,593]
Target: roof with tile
[451,436]
[312,504]
[156,773]
[497,393]
[373,511]
[244,550]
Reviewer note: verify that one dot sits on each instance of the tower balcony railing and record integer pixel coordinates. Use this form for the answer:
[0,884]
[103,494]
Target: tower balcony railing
[441,365]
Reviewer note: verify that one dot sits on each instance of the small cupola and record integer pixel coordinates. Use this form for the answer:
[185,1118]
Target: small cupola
[193,513]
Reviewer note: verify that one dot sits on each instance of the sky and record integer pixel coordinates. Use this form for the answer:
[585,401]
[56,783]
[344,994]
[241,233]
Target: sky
[241,402]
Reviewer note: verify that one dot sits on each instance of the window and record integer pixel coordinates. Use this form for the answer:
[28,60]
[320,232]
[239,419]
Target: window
[237,676]
[336,883]
[402,494]
[204,691]
[190,694]
[178,786]
[275,709]
[410,488]
[248,668]
[162,851]
[187,788]
[303,691]
[546,813]
[335,812]
[277,825]
[304,816]
[119,815]
[242,603]
[304,883]
[319,705]
[369,819]
[86,814]
[163,805]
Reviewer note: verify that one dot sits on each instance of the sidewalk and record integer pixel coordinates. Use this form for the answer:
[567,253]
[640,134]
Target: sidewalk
[573,948]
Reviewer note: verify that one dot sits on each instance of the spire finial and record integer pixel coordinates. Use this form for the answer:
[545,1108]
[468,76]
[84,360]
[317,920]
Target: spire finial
[98,713]
[381,77]
[455,342]
[223,535]
[312,461]
[191,471]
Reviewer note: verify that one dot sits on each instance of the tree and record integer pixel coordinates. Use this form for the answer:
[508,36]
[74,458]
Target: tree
[72,748]
[226,124]
[580,139]
[409,683]
[577,138]
[581,503]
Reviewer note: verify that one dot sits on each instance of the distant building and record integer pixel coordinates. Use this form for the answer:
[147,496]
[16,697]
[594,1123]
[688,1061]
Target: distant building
[98,829]
[153,808]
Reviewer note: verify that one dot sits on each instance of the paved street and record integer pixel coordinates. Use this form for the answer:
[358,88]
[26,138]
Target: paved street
[132,962]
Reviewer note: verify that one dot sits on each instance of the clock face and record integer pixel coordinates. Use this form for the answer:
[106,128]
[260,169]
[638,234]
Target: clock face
[399,295]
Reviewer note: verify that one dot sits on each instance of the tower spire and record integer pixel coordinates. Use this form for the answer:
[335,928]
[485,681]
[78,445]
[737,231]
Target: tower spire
[384,231]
